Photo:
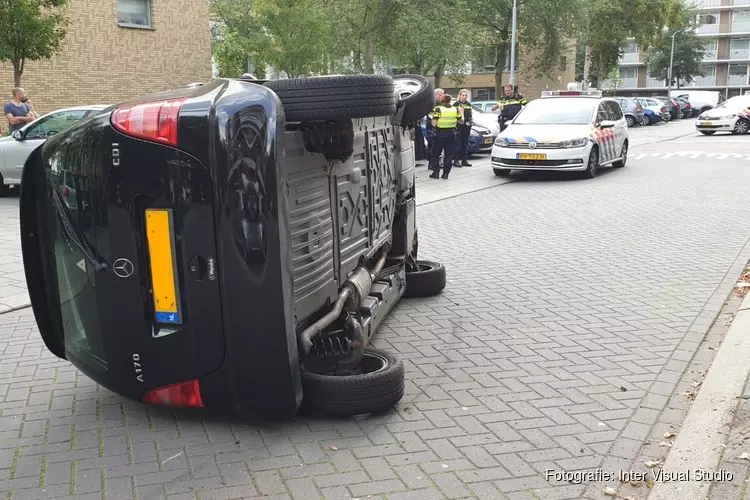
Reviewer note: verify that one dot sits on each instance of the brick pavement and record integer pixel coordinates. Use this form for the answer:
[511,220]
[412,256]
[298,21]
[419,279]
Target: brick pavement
[561,293]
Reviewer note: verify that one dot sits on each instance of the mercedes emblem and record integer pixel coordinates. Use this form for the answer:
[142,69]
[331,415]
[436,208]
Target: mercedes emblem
[123,268]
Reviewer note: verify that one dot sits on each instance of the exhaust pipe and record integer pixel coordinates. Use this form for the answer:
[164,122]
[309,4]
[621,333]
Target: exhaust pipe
[351,295]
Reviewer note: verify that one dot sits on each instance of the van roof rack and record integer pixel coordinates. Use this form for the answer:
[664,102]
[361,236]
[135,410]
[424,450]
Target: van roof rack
[571,93]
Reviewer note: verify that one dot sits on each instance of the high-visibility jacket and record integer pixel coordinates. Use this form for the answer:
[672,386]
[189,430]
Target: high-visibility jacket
[511,105]
[446,116]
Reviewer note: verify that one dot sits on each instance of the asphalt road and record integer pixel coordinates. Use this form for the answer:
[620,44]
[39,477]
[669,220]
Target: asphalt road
[572,312]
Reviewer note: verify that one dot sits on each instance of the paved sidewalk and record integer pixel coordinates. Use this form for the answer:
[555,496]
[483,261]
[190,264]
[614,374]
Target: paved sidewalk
[12,279]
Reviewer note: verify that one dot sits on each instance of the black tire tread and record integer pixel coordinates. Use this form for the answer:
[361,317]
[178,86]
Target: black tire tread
[335,97]
[425,283]
[417,105]
[357,394]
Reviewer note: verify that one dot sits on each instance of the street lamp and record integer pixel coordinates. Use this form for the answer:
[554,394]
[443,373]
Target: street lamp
[669,72]
[512,79]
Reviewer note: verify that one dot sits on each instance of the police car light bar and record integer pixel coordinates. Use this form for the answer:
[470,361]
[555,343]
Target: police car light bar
[567,93]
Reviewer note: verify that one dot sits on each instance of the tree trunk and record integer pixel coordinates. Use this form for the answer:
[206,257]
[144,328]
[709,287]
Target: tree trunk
[17,72]
[369,39]
[439,75]
[600,71]
[500,59]
[587,65]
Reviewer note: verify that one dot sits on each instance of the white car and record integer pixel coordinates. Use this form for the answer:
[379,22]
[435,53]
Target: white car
[564,131]
[733,115]
[15,148]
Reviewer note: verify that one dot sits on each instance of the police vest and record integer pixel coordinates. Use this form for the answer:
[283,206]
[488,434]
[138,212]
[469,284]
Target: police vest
[447,117]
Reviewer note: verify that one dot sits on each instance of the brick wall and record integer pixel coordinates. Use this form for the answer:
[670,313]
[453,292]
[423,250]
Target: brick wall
[102,63]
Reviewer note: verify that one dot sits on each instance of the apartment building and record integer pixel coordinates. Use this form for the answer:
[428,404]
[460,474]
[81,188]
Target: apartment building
[725,26]
[118,49]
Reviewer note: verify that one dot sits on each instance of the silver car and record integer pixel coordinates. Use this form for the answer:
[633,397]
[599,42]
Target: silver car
[18,146]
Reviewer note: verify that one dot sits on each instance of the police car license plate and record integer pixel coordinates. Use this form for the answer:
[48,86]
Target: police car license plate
[705,124]
[488,140]
[532,156]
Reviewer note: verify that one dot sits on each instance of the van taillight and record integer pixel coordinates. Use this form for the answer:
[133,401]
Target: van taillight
[153,121]
[182,395]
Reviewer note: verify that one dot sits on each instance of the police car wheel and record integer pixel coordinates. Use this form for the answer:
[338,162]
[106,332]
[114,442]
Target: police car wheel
[375,385]
[593,166]
[335,97]
[415,95]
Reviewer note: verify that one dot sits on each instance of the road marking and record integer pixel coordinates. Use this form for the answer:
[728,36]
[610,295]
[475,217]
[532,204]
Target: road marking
[723,156]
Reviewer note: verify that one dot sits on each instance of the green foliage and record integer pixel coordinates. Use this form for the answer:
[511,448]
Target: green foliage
[543,27]
[30,30]
[689,50]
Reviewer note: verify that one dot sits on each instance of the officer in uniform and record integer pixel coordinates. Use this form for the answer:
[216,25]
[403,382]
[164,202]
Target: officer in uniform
[430,129]
[444,120]
[510,104]
[463,130]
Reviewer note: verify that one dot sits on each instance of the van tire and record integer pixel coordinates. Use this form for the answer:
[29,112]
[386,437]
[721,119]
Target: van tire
[417,104]
[335,97]
[356,394]
[428,280]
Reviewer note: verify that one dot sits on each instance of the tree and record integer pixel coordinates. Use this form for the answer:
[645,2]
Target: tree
[30,30]
[689,50]
[609,23]
[292,36]
[420,44]
[543,27]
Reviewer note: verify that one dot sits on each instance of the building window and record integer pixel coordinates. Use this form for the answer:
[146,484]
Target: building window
[630,48]
[712,49]
[708,19]
[628,73]
[134,13]
[485,94]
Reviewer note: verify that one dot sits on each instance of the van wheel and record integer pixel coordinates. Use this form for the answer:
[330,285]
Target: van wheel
[335,97]
[624,155]
[428,280]
[593,166]
[415,95]
[375,385]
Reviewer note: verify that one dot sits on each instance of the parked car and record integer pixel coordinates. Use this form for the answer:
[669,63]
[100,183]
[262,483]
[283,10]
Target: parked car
[701,100]
[14,149]
[733,115]
[564,131]
[632,110]
[485,106]
[658,107]
[649,117]
[686,109]
[481,138]
[242,243]
[672,105]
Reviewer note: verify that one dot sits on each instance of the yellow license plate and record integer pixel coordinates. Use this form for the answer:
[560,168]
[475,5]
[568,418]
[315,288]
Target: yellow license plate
[705,124]
[488,140]
[532,156]
[161,252]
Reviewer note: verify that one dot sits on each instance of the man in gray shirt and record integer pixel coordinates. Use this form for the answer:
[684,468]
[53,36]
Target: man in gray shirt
[19,111]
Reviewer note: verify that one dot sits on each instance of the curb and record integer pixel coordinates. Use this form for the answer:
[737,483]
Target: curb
[698,444]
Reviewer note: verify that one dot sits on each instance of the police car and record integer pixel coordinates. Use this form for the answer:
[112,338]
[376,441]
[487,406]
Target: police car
[574,130]
[733,115]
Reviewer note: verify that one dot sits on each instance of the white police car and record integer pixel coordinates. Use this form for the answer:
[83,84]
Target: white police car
[564,130]
[733,115]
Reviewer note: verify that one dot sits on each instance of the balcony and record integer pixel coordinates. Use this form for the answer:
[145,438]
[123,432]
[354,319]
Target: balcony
[739,54]
[704,4]
[701,81]
[630,57]
[705,29]
[655,83]
[741,3]
[737,80]
[628,83]
[711,54]
[741,27]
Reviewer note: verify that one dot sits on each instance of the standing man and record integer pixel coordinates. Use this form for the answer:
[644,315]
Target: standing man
[444,120]
[464,129]
[19,111]
[430,129]
[510,104]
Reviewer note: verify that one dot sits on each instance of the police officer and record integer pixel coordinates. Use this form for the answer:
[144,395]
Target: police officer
[463,130]
[510,104]
[430,132]
[444,120]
